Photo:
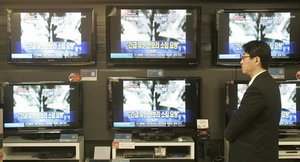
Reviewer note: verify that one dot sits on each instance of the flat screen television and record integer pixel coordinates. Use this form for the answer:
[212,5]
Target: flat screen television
[153,103]
[153,35]
[277,27]
[51,36]
[39,109]
[290,99]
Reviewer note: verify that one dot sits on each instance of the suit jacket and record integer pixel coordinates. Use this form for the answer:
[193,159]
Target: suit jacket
[253,130]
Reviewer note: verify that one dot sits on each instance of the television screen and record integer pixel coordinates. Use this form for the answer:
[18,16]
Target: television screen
[153,103]
[290,97]
[42,107]
[51,36]
[241,89]
[153,35]
[279,28]
[290,109]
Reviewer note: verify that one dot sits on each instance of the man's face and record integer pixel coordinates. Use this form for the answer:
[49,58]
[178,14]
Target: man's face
[248,64]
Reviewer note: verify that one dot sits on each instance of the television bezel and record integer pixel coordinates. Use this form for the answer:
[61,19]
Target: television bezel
[190,125]
[74,127]
[88,59]
[236,62]
[154,61]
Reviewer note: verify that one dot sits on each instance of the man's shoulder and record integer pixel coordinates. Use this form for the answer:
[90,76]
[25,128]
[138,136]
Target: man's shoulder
[264,77]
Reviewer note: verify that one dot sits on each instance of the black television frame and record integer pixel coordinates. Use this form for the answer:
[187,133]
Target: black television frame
[87,55]
[113,90]
[113,33]
[222,37]
[76,103]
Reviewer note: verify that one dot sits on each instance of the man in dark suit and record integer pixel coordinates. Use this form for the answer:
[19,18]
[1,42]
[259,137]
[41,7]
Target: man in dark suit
[252,131]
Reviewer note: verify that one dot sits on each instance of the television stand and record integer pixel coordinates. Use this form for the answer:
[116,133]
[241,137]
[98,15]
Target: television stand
[138,149]
[19,149]
[41,136]
[289,147]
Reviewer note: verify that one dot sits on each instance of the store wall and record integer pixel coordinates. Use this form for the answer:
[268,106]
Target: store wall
[95,97]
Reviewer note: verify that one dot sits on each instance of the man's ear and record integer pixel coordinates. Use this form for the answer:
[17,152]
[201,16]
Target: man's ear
[257,60]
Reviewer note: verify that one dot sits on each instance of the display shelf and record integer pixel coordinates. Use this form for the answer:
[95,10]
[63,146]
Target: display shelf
[16,148]
[289,147]
[140,149]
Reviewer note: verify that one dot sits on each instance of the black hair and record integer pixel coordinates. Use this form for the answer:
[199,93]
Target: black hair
[261,49]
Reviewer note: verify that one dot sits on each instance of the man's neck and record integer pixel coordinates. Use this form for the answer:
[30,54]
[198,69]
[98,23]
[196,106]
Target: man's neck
[257,71]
